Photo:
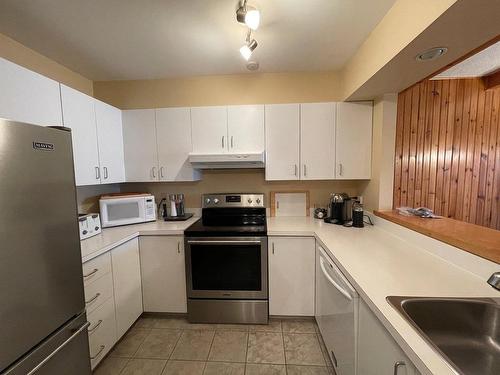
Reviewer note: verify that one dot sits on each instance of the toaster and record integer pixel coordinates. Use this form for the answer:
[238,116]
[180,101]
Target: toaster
[89,225]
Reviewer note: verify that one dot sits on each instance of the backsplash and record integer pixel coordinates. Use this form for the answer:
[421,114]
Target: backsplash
[221,181]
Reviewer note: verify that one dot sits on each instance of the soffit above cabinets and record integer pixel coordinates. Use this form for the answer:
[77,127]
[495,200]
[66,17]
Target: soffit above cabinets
[149,39]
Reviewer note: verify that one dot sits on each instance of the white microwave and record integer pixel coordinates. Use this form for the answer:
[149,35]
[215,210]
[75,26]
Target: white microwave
[127,209]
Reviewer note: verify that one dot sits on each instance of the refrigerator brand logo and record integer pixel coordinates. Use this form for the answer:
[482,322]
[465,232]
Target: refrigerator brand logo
[43,146]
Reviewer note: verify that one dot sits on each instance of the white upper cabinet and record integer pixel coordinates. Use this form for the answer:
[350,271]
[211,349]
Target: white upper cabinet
[110,140]
[173,137]
[79,115]
[282,141]
[317,141]
[354,140]
[209,130]
[27,96]
[245,128]
[139,143]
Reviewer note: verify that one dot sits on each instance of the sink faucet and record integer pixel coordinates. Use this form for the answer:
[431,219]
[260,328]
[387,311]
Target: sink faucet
[494,280]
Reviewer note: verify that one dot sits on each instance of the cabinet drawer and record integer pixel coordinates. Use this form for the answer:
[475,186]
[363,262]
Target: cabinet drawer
[97,267]
[97,292]
[102,331]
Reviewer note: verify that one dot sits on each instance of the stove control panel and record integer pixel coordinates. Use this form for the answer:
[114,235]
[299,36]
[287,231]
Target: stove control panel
[232,200]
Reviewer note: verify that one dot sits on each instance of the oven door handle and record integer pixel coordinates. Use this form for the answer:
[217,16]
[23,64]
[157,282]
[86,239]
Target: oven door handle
[223,242]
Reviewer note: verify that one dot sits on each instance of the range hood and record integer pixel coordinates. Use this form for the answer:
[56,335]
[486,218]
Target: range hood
[227,161]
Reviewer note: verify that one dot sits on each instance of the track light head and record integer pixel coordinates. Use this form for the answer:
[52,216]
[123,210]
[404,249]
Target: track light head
[248,15]
[248,48]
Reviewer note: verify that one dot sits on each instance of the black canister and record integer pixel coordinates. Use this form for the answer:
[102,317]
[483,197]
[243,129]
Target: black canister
[357,215]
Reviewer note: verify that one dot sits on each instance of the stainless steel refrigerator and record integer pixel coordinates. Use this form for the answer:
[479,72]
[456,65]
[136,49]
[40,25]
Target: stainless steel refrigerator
[43,326]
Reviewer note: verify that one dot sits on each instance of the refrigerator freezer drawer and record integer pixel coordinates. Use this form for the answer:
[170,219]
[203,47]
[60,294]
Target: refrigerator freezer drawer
[97,292]
[95,268]
[102,331]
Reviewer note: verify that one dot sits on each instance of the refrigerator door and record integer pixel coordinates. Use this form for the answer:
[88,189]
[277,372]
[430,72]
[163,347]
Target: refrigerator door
[41,283]
[64,352]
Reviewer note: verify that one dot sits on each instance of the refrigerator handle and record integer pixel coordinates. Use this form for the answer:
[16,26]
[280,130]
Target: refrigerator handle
[59,348]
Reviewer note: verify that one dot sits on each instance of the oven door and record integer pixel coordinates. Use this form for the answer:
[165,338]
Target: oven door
[226,267]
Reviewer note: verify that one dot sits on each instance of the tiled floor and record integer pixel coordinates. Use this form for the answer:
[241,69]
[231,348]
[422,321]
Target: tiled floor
[172,346]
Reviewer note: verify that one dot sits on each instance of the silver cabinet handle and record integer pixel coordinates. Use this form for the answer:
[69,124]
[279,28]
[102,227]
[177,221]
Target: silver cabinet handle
[96,326]
[231,141]
[341,172]
[178,247]
[161,172]
[105,169]
[93,272]
[101,348]
[295,169]
[335,363]
[153,172]
[97,173]
[59,348]
[92,299]
[272,248]
[397,365]
[222,141]
[305,171]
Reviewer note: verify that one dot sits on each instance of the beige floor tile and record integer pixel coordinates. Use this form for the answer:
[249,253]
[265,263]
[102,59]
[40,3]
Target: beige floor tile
[220,368]
[265,347]
[273,326]
[111,366]
[180,323]
[138,366]
[130,343]
[233,327]
[193,345]
[184,368]
[229,346]
[145,322]
[259,369]
[303,349]
[159,343]
[307,370]
[298,326]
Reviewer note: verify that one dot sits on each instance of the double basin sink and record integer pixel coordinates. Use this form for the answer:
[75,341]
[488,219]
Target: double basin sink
[465,331]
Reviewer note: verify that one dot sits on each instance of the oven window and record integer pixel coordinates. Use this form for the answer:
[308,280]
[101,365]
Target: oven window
[226,267]
[122,211]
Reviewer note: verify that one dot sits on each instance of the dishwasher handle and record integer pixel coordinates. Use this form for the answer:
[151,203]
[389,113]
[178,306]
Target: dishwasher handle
[333,282]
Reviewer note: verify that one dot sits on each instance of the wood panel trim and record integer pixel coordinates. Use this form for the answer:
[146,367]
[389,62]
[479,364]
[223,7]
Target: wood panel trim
[474,239]
[492,81]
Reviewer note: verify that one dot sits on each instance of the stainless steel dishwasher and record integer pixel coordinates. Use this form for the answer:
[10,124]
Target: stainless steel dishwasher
[336,313]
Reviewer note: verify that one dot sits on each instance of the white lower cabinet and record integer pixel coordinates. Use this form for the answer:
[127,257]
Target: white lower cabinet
[163,274]
[102,331]
[378,353]
[291,275]
[127,285]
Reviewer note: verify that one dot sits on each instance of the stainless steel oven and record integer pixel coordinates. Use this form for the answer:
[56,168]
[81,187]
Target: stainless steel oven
[227,263]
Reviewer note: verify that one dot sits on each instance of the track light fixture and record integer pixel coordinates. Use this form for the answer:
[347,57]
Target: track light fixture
[248,15]
[248,48]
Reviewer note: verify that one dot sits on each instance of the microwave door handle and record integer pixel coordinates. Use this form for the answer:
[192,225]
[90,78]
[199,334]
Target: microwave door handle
[209,242]
[333,282]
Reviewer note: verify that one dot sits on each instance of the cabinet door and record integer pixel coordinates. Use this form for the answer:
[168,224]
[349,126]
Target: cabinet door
[317,141]
[79,115]
[139,145]
[245,124]
[173,136]
[282,141]
[378,353]
[209,128]
[291,276]
[163,274]
[29,97]
[126,285]
[354,140]
[110,141]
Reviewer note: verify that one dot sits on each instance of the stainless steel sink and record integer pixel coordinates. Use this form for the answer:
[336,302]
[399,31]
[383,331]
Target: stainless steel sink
[465,331]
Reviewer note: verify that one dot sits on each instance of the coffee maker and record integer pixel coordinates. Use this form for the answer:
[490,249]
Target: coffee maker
[339,209]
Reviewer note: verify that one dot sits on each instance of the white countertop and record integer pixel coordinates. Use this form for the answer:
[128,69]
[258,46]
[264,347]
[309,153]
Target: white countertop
[378,263]
[112,237]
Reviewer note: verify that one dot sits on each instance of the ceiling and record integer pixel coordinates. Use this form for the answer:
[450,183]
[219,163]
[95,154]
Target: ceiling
[149,39]
[481,64]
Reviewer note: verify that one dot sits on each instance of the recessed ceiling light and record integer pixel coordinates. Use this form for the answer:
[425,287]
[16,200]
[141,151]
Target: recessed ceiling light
[431,54]
[248,48]
[253,65]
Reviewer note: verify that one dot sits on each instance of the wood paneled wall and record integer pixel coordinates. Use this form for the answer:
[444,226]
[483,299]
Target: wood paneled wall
[448,150]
